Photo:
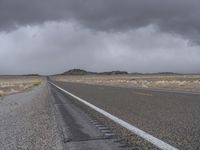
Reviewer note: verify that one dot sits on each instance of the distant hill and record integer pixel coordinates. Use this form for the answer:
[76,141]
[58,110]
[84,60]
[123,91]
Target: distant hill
[118,72]
[167,73]
[22,75]
[114,73]
[76,72]
[84,72]
[31,75]
[158,73]
[136,73]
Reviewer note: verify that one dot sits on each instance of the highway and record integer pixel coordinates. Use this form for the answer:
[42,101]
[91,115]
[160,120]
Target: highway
[169,116]
[78,130]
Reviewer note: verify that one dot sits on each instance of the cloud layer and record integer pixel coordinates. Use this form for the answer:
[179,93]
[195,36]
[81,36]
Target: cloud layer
[51,36]
[175,16]
[54,47]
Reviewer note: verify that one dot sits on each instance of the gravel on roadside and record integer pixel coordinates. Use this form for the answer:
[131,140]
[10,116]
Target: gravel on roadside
[27,121]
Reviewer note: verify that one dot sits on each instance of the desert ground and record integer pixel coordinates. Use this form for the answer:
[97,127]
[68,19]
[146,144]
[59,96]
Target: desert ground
[26,117]
[30,109]
[15,84]
[188,83]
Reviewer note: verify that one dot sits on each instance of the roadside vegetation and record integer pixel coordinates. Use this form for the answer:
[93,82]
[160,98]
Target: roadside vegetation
[169,82]
[17,84]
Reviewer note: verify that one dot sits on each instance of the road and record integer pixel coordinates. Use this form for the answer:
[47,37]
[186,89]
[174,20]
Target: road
[78,130]
[169,116]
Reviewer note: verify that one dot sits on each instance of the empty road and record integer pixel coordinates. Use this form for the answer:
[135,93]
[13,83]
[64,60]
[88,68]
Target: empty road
[169,116]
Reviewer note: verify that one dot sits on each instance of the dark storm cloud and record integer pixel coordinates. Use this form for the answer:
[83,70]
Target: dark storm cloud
[51,36]
[55,47]
[175,16]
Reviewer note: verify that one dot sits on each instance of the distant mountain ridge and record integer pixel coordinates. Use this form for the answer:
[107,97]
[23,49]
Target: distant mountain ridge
[84,72]
[76,72]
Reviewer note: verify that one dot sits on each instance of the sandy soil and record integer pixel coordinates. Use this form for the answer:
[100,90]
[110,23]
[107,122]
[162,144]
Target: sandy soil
[11,85]
[189,83]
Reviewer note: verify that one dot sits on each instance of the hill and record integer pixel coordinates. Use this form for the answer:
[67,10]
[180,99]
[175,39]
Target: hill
[84,72]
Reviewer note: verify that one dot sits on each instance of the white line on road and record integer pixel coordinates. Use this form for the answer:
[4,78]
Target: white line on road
[155,141]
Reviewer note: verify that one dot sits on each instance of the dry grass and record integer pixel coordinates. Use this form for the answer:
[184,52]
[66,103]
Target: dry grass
[13,85]
[171,82]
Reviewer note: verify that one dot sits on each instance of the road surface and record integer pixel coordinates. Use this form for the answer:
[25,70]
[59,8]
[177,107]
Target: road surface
[169,116]
[78,130]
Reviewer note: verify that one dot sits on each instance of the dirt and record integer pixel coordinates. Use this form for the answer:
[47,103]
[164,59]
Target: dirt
[13,85]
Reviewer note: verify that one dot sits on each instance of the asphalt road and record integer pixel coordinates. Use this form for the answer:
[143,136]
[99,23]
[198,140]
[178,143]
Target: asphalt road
[78,130]
[170,116]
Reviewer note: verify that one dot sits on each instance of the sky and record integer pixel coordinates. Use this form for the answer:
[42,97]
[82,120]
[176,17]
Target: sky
[52,36]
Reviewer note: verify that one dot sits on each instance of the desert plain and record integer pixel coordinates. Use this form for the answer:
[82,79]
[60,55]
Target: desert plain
[185,83]
[15,84]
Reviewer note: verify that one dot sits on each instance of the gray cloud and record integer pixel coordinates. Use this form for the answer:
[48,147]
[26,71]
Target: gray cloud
[175,16]
[51,36]
[54,47]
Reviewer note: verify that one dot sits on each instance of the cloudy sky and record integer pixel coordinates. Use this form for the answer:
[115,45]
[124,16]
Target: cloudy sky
[52,36]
